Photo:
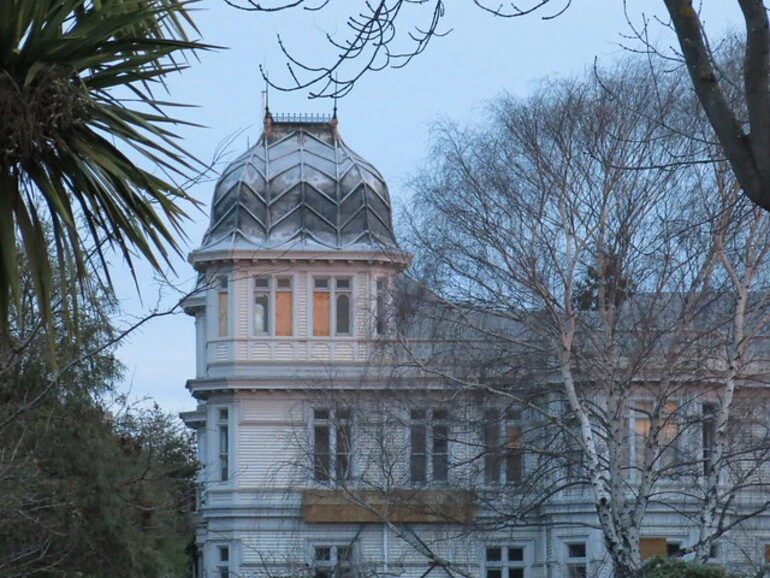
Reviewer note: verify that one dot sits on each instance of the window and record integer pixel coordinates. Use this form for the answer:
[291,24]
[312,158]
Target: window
[381,312]
[222,308]
[273,306]
[223,423]
[668,430]
[332,433]
[502,446]
[505,562]
[429,445]
[333,562]
[650,547]
[714,551]
[223,568]
[577,560]
[708,434]
[673,549]
[332,306]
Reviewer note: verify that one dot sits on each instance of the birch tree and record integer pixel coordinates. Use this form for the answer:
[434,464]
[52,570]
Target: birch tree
[635,303]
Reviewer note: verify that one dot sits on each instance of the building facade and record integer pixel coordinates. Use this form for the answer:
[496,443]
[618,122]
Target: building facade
[331,448]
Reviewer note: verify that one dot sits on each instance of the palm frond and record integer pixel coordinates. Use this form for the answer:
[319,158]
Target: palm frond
[69,133]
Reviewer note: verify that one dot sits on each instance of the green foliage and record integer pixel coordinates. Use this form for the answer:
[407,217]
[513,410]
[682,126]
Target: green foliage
[91,488]
[659,567]
[75,102]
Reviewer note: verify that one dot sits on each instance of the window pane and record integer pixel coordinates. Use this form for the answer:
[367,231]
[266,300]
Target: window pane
[343,283]
[224,554]
[494,573]
[440,452]
[223,439]
[418,468]
[418,439]
[224,444]
[323,554]
[494,554]
[283,313]
[343,451]
[491,455]
[577,571]
[321,283]
[708,433]
[515,572]
[576,550]
[261,313]
[515,554]
[440,467]
[222,307]
[343,314]
[321,457]
[343,414]
[320,313]
[344,554]
[380,314]
[513,461]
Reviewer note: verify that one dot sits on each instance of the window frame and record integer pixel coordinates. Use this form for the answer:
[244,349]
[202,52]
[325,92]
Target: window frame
[576,563]
[433,461]
[224,555]
[505,564]
[335,292]
[499,452]
[640,413]
[224,443]
[333,568]
[381,305]
[338,465]
[223,306]
[271,290]
[708,430]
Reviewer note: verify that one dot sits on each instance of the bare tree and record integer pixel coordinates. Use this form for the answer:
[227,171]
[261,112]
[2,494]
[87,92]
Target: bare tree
[389,33]
[642,293]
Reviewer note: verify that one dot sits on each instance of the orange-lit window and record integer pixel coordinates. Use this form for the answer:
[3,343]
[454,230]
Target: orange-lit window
[273,306]
[332,306]
[283,306]
[668,431]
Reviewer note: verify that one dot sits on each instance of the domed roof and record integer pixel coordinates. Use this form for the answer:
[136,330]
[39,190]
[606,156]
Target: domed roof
[300,187]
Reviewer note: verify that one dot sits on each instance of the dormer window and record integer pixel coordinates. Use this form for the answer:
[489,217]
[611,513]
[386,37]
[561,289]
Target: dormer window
[332,310]
[273,304]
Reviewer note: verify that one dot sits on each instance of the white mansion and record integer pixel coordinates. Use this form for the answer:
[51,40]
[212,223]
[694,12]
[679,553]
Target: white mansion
[331,447]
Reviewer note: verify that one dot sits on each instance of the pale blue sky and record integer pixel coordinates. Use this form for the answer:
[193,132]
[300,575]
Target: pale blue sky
[386,119]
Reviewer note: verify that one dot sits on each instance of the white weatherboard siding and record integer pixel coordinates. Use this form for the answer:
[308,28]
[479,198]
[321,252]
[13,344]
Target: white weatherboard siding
[300,205]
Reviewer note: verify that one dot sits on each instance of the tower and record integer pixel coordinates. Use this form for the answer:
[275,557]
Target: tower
[294,276]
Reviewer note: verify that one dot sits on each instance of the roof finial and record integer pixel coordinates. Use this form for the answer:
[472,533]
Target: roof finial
[268,120]
[266,95]
[335,94]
